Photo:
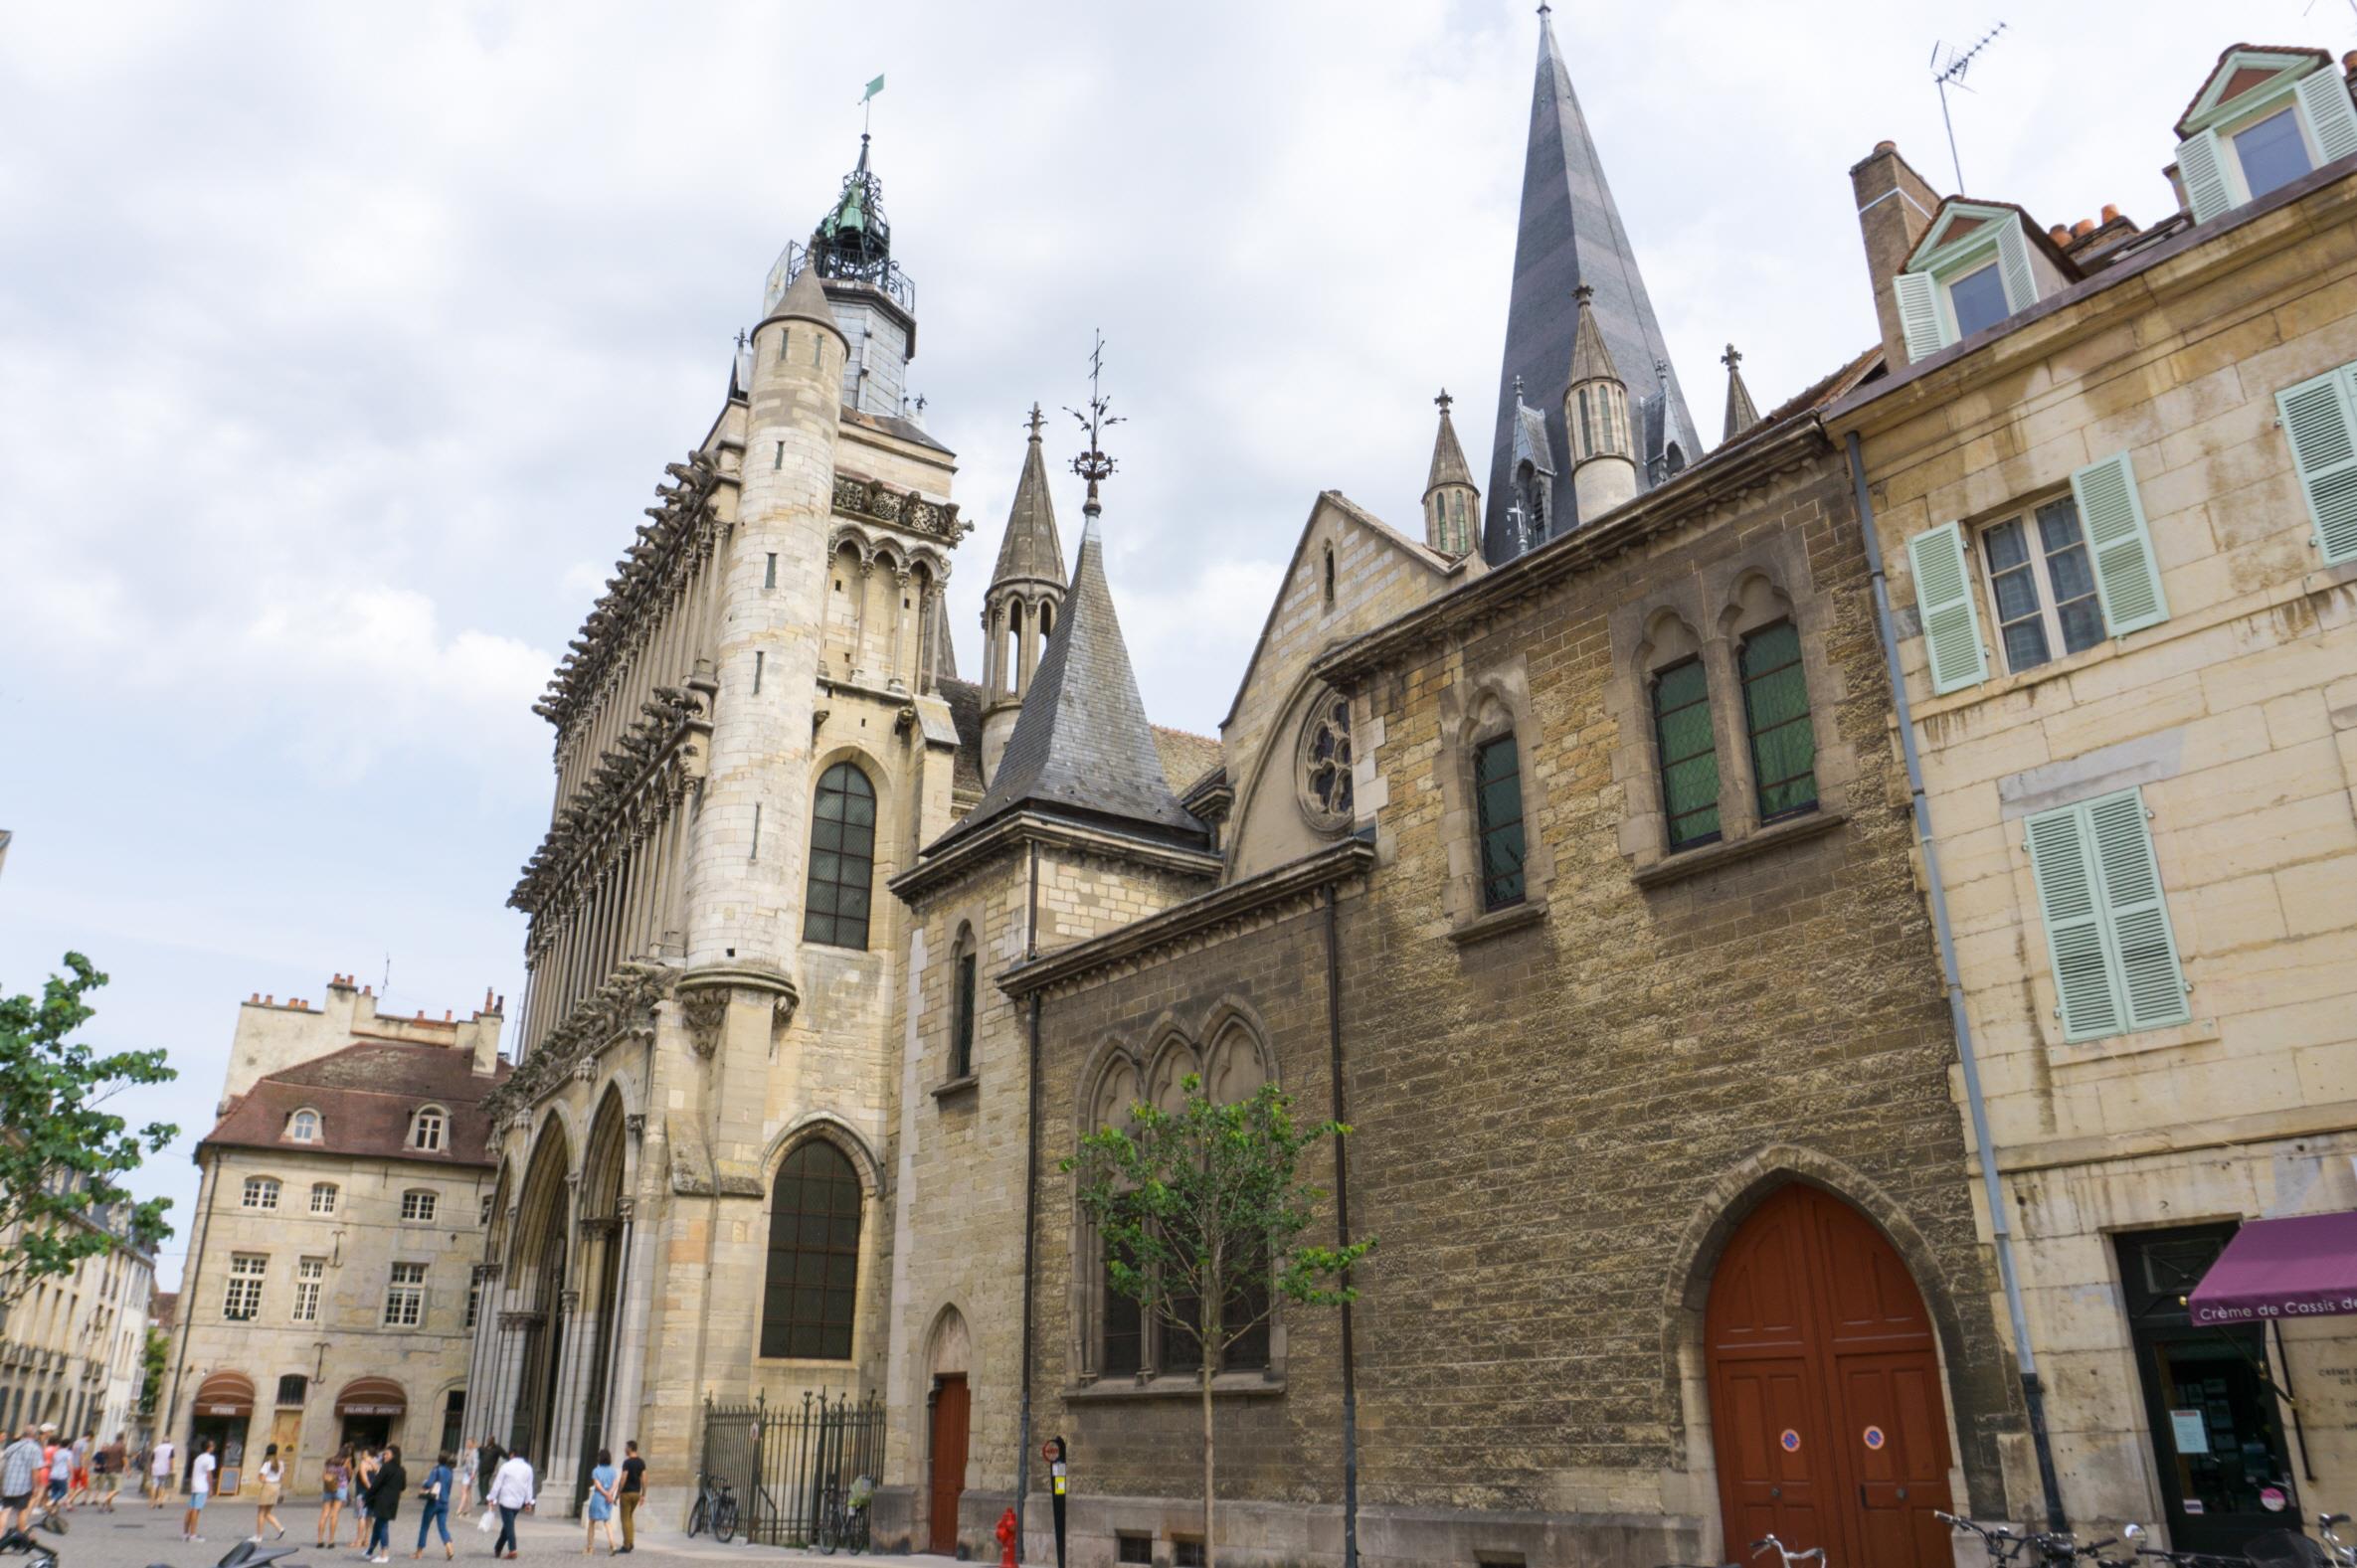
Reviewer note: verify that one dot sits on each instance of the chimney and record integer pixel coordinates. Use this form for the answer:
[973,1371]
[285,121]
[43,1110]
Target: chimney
[2111,212]
[1895,207]
[2059,233]
[2082,229]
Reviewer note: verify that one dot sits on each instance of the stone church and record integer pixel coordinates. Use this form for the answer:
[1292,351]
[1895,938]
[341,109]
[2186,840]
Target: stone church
[833,955]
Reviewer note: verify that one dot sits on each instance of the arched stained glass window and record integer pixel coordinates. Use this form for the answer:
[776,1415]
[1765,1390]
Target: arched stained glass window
[843,859]
[814,1266]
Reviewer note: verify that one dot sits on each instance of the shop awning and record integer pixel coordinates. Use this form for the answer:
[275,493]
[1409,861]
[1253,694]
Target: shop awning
[371,1396]
[2303,1266]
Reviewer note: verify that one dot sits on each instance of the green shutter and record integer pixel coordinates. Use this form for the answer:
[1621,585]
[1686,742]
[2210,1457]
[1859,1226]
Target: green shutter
[1943,597]
[2151,985]
[2062,863]
[2201,166]
[1920,317]
[2321,421]
[2013,266]
[2128,577]
[2324,99]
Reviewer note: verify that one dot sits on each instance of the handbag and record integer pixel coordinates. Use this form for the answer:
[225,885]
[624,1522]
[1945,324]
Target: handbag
[490,1520]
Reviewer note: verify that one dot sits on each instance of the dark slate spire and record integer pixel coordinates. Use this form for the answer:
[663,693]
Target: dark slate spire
[1570,234]
[1032,548]
[1082,747]
[1741,411]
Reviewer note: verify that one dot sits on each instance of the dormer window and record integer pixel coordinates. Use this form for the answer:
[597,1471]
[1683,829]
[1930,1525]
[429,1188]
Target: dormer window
[1973,269]
[429,1129]
[2262,119]
[304,1127]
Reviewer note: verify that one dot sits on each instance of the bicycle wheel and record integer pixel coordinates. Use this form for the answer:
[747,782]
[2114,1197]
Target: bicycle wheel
[698,1515]
[724,1520]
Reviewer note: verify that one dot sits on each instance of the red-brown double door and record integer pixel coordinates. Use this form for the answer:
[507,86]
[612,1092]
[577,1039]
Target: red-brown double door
[1824,1399]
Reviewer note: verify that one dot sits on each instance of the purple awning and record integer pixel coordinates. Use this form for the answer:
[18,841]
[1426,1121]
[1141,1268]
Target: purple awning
[2301,1267]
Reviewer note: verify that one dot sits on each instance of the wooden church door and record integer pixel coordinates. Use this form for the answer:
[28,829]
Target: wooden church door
[1826,1409]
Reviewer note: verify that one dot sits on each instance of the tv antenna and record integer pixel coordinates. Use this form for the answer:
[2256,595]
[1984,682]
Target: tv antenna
[1948,65]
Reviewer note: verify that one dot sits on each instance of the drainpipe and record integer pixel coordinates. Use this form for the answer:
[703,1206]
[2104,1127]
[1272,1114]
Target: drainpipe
[1342,1237]
[1022,1448]
[1935,894]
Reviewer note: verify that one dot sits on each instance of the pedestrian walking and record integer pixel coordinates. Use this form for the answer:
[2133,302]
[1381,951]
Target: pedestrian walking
[437,1514]
[511,1494]
[20,1462]
[272,1476]
[633,1493]
[602,1480]
[335,1489]
[78,1487]
[200,1489]
[384,1503]
[487,1460]
[159,1474]
[364,1479]
[464,1475]
[58,1474]
[106,1468]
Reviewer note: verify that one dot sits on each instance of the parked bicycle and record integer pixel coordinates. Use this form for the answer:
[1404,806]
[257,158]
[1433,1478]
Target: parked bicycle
[842,1517]
[1764,1545]
[715,1509]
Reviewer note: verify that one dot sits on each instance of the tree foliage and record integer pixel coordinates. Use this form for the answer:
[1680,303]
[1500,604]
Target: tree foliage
[1200,1213]
[61,1151]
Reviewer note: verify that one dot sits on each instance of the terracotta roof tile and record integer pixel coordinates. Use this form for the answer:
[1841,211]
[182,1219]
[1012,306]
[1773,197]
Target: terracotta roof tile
[365,1095]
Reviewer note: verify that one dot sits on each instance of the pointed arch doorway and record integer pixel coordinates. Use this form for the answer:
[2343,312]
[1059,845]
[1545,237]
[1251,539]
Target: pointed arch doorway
[1826,1409]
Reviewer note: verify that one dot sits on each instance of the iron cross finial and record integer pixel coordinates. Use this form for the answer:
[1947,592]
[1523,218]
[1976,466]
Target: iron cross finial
[1092,465]
[1730,359]
[1444,399]
[740,339]
[1036,420]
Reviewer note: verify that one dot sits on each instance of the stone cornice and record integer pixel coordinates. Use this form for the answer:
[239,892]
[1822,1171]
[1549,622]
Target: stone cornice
[1026,826]
[649,580]
[1195,919]
[634,789]
[874,501]
[1755,458]
[623,1006]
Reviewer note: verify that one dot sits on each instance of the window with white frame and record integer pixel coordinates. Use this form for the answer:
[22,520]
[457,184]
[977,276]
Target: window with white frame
[323,1197]
[1972,270]
[418,1204]
[310,1274]
[2041,584]
[2265,118]
[304,1127]
[243,1297]
[475,1302]
[405,1298]
[428,1129]
[262,1193]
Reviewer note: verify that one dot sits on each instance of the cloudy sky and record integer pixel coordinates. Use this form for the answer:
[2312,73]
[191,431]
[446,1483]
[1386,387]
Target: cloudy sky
[341,347]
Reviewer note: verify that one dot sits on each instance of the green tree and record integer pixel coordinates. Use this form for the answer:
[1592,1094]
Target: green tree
[61,1151]
[1200,1212]
[151,1369]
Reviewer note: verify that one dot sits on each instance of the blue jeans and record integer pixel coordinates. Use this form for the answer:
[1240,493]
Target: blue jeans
[506,1540]
[437,1513]
[380,1536]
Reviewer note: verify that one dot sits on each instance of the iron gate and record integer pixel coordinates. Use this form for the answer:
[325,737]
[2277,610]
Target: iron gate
[792,1468]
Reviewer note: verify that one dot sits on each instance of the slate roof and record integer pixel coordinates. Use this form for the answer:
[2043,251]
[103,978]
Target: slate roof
[966,712]
[805,300]
[1448,458]
[1570,234]
[1032,548]
[364,1094]
[1081,744]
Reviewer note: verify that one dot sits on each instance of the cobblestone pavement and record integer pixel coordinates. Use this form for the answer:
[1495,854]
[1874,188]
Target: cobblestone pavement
[135,1537]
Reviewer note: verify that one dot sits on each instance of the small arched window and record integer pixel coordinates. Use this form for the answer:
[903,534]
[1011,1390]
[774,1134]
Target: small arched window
[963,971]
[1047,621]
[303,1125]
[261,1192]
[429,1129]
[843,859]
[812,1285]
[323,1197]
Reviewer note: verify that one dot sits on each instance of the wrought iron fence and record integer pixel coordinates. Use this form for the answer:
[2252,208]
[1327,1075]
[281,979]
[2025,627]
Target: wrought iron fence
[797,1472]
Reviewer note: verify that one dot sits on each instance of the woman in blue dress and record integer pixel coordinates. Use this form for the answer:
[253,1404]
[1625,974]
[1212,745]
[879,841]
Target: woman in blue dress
[601,1502]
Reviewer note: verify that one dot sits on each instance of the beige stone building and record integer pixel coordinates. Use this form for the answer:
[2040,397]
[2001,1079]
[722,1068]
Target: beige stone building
[329,1294]
[70,1348]
[2109,475]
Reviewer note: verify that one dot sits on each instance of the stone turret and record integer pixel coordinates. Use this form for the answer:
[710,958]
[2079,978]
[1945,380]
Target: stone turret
[1741,411]
[1024,601]
[1596,415]
[1452,506]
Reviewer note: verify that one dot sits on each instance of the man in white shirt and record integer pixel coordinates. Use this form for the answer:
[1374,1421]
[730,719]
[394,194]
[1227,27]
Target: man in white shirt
[199,1489]
[159,1474]
[510,1494]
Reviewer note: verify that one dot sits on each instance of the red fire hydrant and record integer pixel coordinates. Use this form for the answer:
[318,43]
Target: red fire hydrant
[1006,1534]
